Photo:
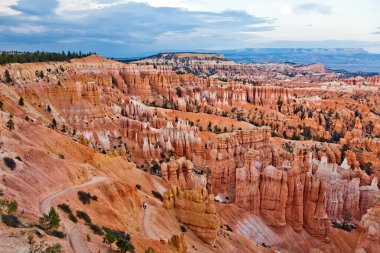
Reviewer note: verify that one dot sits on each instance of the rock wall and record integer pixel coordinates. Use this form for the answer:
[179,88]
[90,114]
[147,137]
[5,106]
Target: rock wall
[179,173]
[196,209]
[274,194]
[305,192]
[369,241]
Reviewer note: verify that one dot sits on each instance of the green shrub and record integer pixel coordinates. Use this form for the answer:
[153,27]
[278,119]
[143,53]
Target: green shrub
[21,101]
[228,228]
[42,247]
[183,229]
[367,168]
[8,206]
[157,195]
[10,125]
[49,222]
[11,220]
[7,76]
[295,137]
[124,246]
[58,234]
[54,123]
[95,229]
[109,238]
[84,216]
[73,218]
[86,197]
[10,163]
[119,234]
[64,207]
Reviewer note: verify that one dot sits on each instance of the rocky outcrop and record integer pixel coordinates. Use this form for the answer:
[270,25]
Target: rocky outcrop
[217,65]
[196,209]
[227,154]
[179,243]
[294,203]
[247,184]
[368,195]
[369,241]
[274,193]
[179,173]
[316,221]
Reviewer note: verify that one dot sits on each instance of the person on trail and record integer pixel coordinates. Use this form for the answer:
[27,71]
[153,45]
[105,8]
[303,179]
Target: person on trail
[144,205]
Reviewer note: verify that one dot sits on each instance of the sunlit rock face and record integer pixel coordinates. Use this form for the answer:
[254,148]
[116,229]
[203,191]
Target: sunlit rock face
[274,193]
[196,209]
[179,173]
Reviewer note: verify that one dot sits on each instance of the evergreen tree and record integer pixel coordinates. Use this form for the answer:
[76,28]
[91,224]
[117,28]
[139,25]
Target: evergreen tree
[279,103]
[21,101]
[49,222]
[10,124]
[53,123]
[124,246]
[109,238]
[7,76]
[12,207]
[22,57]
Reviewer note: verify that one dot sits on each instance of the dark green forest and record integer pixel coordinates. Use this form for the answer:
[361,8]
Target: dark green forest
[23,57]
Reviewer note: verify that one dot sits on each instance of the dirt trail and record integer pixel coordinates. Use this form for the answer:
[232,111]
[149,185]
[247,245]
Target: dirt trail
[147,224]
[77,241]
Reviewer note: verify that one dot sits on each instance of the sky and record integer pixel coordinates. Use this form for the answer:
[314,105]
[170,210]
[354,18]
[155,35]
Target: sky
[122,28]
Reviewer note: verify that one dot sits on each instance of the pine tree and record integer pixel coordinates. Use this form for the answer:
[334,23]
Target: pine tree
[53,124]
[21,101]
[10,124]
[12,207]
[109,238]
[49,222]
[7,76]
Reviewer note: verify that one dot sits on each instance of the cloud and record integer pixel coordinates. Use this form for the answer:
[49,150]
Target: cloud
[27,29]
[116,28]
[305,8]
[378,31]
[38,7]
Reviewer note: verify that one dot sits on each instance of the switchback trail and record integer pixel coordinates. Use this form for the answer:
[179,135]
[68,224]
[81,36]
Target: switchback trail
[147,224]
[77,242]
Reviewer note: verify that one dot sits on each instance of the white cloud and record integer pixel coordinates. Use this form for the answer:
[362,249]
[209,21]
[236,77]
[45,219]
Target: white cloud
[287,9]
[27,29]
[5,7]
[304,8]
[66,6]
[141,25]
